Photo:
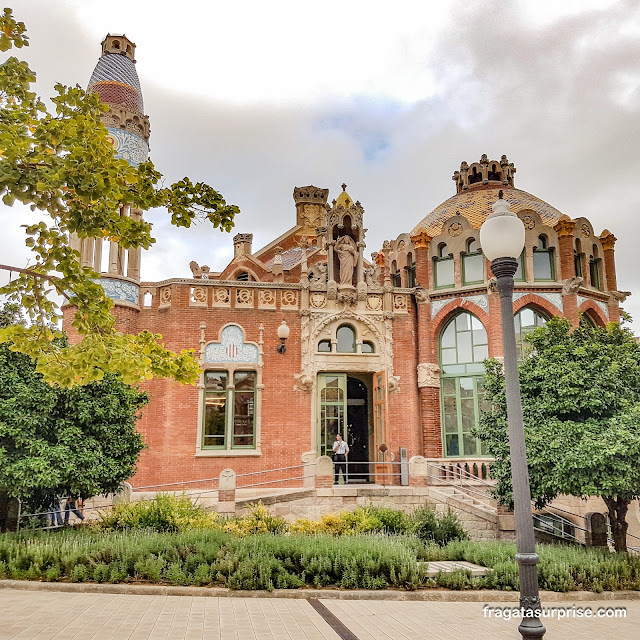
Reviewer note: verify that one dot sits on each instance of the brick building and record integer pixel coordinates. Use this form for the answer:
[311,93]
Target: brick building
[388,351]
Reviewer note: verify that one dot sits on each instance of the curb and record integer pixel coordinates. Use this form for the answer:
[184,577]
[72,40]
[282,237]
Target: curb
[426,595]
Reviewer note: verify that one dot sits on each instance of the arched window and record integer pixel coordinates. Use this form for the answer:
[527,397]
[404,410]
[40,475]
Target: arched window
[463,348]
[577,258]
[368,347]
[587,321]
[594,269]
[396,278]
[526,320]
[411,271]
[324,346]
[543,260]
[147,299]
[472,263]
[243,276]
[444,272]
[346,336]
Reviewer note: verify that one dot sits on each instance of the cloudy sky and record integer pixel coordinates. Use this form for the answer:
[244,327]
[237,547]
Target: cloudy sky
[257,97]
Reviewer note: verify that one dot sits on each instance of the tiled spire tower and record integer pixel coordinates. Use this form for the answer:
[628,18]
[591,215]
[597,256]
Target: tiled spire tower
[115,80]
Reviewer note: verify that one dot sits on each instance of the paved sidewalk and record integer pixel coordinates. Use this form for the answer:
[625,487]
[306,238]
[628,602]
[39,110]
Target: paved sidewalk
[100,616]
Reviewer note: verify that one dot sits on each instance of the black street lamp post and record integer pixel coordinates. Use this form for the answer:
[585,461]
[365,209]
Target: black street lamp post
[502,239]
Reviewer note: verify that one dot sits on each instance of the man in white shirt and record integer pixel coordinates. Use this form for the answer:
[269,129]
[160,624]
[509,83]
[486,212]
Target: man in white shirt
[340,452]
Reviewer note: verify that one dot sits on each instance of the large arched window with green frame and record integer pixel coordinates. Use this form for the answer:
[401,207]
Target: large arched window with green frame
[463,348]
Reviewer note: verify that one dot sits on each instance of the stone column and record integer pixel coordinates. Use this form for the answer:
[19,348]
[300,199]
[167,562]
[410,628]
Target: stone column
[566,240]
[423,265]
[360,265]
[97,255]
[330,266]
[133,261]
[608,241]
[324,472]
[564,229]
[227,492]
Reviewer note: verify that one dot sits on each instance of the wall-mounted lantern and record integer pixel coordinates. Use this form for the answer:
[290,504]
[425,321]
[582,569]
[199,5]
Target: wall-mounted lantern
[283,334]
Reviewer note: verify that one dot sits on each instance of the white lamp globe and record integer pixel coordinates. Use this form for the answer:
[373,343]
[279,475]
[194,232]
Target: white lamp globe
[283,331]
[502,234]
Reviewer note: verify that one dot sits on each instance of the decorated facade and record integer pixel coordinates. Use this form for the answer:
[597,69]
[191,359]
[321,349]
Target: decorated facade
[386,348]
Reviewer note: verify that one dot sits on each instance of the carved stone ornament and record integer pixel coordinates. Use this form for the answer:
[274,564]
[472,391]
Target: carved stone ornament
[199,295]
[317,300]
[619,296]
[528,222]
[455,229]
[399,303]
[586,232]
[165,295]
[332,290]
[199,272]
[303,382]
[422,295]
[393,384]
[318,273]
[374,303]
[266,298]
[221,296]
[244,297]
[289,298]
[492,285]
[348,297]
[428,375]
[571,285]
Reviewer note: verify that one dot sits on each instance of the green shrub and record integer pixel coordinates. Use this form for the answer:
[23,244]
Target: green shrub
[393,521]
[438,528]
[164,513]
[256,522]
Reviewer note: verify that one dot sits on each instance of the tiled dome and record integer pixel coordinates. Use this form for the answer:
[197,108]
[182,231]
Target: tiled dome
[478,186]
[116,81]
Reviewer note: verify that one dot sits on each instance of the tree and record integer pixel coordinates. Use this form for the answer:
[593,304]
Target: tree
[581,405]
[59,442]
[62,163]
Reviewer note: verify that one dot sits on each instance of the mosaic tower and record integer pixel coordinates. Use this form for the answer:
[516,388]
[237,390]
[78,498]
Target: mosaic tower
[116,81]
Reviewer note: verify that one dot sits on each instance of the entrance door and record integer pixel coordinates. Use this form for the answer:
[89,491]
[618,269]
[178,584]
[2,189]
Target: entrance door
[343,407]
[332,410]
[358,429]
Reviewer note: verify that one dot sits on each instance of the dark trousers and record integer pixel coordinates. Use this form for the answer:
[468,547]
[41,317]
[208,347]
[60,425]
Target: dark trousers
[340,464]
[71,507]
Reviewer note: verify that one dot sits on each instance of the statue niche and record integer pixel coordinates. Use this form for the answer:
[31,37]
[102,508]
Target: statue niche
[348,256]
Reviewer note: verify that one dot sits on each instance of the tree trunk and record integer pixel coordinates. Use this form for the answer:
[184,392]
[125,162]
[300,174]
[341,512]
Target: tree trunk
[618,508]
[9,512]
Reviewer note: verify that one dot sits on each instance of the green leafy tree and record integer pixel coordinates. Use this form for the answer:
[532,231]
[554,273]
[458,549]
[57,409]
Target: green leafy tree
[581,405]
[62,163]
[56,441]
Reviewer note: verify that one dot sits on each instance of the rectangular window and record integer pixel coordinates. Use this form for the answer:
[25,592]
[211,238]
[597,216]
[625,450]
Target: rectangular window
[444,273]
[472,268]
[543,264]
[396,279]
[229,413]
[594,273]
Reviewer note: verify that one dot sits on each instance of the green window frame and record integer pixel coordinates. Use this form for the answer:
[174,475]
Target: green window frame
[594,273]
[229,416]
[473,264]
[526,320]
[411,276]
[444,273]
[521,273]
[543,262]
[463,347]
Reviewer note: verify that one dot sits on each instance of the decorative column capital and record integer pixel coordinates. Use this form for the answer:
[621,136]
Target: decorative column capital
[607,239]
[421,240]
[565,228]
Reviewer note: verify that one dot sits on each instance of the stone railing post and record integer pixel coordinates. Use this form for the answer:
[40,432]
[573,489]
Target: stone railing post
[227,492]
[324,472]
[124,495]
[418,471]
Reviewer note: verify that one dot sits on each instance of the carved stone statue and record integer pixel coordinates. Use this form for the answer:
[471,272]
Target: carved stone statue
[371,275]
[348,254]
[318,273]
[571,285]
[199,273]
